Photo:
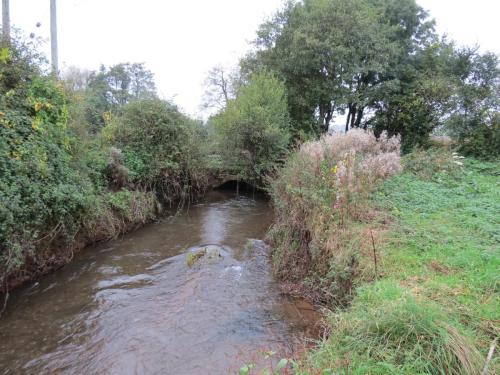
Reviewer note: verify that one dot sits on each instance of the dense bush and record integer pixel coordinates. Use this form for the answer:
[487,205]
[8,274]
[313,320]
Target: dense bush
[63,182]
[319,196]
[41,196]
[162,148]
[475,119]
[483,141]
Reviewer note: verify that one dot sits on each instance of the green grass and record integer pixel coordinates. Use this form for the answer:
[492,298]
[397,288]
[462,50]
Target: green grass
[436,309]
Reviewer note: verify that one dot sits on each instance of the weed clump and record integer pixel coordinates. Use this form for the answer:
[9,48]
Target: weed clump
[192,258]
[320,197]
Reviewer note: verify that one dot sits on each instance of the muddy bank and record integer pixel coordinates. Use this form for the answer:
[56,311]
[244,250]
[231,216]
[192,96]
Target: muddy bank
[59,253]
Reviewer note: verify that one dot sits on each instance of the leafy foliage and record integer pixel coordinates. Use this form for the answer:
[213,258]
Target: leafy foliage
[161,148]
[381,65]
[97,95]
[64,182]
[475,119]
[253,130]
[38,187]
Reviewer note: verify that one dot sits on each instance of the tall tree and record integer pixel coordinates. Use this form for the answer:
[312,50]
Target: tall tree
[337,57]
[330,54]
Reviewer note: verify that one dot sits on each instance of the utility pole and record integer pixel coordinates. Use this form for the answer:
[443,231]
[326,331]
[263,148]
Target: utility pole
[53,37]
[5,21]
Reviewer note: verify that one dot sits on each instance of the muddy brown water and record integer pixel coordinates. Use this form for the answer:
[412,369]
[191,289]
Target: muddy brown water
[133,306]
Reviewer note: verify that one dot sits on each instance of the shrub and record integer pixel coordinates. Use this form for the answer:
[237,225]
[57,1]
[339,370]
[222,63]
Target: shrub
[162,149]
[38,187]
[254,129]
[484,141]
[319,196]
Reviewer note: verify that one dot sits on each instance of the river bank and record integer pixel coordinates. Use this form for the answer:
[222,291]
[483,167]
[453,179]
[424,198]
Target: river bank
[419,292]
[53,252]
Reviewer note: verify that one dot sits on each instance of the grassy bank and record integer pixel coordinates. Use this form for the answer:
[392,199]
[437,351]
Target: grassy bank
[431,303]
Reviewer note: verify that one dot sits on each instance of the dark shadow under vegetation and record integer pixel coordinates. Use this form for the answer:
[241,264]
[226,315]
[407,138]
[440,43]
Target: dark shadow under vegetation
[241,186]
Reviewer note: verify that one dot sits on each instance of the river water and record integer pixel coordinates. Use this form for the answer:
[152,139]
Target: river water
[134,306]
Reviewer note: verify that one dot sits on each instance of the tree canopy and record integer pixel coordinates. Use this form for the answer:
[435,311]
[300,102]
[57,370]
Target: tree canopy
[374,63]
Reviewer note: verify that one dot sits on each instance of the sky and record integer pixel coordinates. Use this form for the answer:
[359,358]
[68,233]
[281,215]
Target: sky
[180,40]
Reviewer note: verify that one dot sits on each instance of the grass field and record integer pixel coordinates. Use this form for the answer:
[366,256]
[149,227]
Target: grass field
[435,307]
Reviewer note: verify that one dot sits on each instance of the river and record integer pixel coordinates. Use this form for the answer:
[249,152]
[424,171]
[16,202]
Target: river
[135,306]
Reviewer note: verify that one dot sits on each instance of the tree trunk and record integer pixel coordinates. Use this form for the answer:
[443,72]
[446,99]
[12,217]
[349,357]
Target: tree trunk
[328,118]
[325,116]
[359,117]
[348,118]
[353,115]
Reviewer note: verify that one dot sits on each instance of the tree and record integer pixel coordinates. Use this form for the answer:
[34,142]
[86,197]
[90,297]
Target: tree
[254,129]
[106,91]
[415,99]
[475,118]
[330,54]
[219,88]
[76,79]
[370,60]
[128,82]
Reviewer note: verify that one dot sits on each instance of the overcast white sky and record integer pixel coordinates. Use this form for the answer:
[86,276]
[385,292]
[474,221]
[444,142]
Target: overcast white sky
[180,40]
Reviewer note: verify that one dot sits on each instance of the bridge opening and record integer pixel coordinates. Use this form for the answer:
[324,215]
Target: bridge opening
[234,185]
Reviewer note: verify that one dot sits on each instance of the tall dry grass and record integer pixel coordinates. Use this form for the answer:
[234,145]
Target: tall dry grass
[320,196]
